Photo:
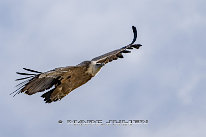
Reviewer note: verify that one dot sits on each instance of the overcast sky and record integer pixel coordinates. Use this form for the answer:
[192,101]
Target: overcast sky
[163,81]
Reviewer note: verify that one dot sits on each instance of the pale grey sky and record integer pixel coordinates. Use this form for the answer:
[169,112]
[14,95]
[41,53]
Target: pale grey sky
[163,81]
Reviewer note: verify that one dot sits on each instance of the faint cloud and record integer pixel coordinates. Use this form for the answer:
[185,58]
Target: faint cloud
[185,92]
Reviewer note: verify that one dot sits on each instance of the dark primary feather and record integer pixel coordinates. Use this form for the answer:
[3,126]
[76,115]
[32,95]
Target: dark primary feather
[119,55]
[23,78]
[23,73]
[126,51]
[32,70]
[47,96]
[135,35]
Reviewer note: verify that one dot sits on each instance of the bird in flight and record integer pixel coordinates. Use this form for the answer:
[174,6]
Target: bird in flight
[59,82]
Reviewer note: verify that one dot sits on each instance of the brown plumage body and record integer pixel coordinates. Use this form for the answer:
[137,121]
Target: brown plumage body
[71,78]
[61,81]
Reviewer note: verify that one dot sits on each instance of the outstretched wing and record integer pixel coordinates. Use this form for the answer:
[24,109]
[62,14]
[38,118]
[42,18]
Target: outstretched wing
[114,55]
[38,81]
[59,82]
